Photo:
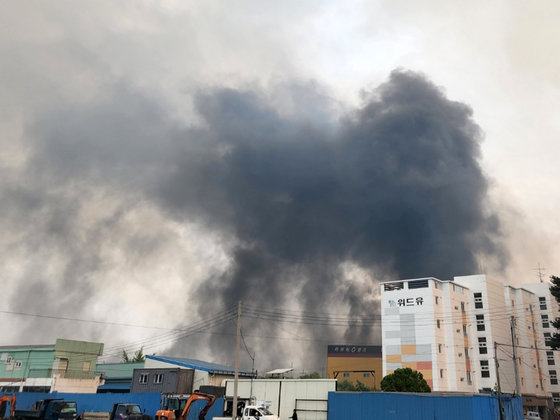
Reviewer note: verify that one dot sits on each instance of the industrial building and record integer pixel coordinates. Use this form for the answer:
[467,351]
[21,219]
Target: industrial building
[117,377]
[66,366]
[452,330]
[203,373]
[355,363]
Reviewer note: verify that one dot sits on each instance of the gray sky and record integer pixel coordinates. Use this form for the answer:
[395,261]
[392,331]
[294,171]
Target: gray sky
[113,206]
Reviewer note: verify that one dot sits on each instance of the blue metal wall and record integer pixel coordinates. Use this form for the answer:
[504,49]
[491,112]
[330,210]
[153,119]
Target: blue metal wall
[150,401]
[389,406]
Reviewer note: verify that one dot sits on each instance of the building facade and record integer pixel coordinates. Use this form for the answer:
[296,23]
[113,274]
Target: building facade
[117,377]
[452,331]
[66,366]
[165,380]
[204,373]
[355,363]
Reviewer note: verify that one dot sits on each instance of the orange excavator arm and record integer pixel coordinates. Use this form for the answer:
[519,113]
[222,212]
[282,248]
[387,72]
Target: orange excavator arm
[9,399]
[195,397]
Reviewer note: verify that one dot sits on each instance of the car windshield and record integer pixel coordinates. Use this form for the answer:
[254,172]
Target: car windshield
[133,409]
[265,412]
[68,407]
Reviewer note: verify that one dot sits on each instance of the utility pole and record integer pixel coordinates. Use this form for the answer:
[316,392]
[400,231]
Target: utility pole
[514,355]
[500,403]
[236,381]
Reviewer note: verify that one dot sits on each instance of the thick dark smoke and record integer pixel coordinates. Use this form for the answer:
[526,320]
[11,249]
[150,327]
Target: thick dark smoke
[395,189]
[398,186]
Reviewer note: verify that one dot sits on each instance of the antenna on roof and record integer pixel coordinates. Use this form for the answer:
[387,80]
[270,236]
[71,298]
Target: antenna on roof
[540,272]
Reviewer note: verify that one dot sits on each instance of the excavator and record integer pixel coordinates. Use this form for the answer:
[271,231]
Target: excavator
[4,400]
[166,414]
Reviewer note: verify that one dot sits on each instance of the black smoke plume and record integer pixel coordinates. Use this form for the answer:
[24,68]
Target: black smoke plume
[297,194]
[396,187]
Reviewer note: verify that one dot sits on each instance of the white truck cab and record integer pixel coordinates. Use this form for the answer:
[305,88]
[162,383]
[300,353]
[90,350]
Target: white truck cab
[254,412]
[532,415]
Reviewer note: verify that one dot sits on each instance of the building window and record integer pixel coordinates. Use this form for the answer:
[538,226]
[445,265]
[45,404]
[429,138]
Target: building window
[345,375]
[480,323]
[143,378]
[484,369]
[556,397]
[553,378]
[550,357]
[418,284]
[469,380]
[545,323]
[439,347]
[466,353]
[437,322]
[465,330]
[17,364]
[441,373]
[158,378]
[437,300]
[478,300]
[542,303]
[547,337]
[462,306]
[393,286]
[86,366]
[366,375]
[482,349]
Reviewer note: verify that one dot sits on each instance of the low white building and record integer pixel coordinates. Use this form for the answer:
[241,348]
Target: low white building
[281,396]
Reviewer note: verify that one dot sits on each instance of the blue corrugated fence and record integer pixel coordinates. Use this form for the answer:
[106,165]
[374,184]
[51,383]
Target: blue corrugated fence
[393,406]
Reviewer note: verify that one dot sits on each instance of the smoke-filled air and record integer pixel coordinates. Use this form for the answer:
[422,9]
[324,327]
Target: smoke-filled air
[277,197]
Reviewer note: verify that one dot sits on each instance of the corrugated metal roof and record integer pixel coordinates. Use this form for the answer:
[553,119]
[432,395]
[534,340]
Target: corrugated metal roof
[199,365]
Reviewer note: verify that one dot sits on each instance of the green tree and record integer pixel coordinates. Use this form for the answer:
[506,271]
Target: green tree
[346,385]
[138,356]
[312,375]
[404,380]
[554,341]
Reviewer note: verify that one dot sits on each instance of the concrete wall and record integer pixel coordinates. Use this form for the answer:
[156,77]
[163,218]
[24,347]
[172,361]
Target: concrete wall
[81,356]
[85,386]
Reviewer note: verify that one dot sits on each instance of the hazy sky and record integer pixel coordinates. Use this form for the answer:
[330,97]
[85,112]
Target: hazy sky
[149,151]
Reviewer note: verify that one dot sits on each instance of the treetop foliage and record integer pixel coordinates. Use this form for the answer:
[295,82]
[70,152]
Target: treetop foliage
[405,380]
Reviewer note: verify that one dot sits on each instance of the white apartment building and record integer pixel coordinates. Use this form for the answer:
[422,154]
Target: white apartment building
[446,329]
[544,313]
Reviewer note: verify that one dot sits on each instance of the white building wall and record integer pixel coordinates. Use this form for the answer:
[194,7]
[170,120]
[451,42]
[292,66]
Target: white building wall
[545,304]
[427,337]
[487,304]
[281,396]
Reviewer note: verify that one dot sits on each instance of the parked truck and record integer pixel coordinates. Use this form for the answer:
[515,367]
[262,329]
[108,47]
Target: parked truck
[127,411]
[49,409]
[248,410]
